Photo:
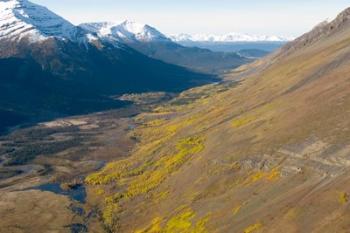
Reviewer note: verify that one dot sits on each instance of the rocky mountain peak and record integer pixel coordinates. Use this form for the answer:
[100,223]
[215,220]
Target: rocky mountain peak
[320,31]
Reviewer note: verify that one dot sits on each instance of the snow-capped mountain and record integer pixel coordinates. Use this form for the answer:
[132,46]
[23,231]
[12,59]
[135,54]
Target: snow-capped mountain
[126,31]
[23,19]
[230,37]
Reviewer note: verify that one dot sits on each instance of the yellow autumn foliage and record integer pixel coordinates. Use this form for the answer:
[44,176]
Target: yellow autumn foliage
[253,228]
[150,179]
[343,198]
[271,175]
[242,121]
[180,223]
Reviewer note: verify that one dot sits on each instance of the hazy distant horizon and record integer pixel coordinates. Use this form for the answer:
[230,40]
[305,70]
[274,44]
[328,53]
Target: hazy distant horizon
[270,17]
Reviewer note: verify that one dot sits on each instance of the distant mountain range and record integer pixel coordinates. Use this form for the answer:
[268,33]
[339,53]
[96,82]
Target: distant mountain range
[230,37]
[254,46]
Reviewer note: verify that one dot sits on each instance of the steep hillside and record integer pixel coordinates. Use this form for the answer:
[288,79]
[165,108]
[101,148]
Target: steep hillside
[269,153]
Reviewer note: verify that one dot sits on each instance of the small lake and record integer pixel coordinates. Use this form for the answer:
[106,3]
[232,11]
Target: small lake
[77,193]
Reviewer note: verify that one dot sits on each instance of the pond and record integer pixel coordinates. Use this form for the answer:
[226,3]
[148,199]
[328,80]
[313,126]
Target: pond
[77,193]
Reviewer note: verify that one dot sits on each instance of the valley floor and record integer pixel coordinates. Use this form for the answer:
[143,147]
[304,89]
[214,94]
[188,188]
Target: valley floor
[59,152]
[43,167]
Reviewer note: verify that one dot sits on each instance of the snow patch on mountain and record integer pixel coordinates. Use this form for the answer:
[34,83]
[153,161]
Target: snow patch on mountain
[21,18]
[230,37]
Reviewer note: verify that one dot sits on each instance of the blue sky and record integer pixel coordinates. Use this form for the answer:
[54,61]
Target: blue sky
[272,17]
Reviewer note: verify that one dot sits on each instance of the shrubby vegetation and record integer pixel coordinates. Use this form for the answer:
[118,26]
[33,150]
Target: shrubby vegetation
[141,177]
[271,175]
[24,145]
[253,228]
[28,152]
[242,121]
[236,210]
[180,223]
[165,166]
[343,198]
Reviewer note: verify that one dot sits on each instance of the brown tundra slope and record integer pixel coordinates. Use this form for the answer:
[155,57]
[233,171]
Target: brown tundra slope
[270,153]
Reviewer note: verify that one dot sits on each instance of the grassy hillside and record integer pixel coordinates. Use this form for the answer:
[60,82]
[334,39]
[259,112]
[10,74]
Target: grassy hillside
[269,153]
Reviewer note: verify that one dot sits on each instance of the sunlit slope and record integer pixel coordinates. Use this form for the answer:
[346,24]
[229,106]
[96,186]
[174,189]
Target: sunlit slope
[268,154]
